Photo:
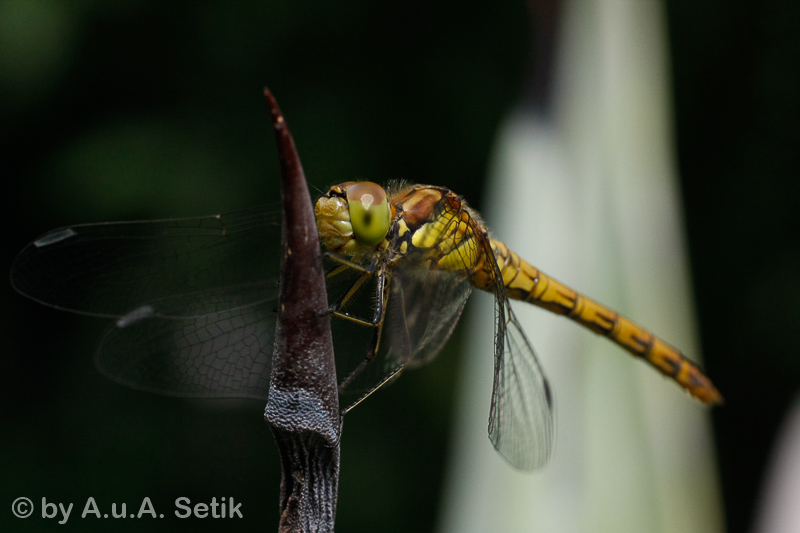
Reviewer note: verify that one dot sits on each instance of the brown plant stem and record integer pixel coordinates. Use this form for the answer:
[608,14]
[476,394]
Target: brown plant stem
[303,406]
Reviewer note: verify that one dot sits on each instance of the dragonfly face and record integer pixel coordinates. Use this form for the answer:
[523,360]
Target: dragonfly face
[353,218]
[194,300]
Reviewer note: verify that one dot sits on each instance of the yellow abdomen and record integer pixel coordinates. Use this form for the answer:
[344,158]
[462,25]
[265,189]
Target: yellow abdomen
[527,283]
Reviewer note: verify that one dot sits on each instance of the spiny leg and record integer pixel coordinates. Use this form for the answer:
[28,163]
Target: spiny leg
[377,322]
[396,371]
[344,265]
[399,368]
[345,297]
[336,270]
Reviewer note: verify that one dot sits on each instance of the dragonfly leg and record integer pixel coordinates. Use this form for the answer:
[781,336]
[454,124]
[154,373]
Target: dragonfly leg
[345,297]
[336,270]
[377,323]
[344,263]
[366,395]
[355,319]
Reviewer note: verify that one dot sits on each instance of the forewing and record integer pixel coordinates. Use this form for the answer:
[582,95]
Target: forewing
[111,268]
[213,355]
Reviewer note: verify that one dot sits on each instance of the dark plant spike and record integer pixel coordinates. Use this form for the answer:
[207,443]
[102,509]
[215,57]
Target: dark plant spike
[303,406]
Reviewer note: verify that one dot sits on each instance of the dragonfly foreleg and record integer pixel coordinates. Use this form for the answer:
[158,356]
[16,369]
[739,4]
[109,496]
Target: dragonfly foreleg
[355,319]
[344,264]
[378,319]
[342,300]
[336,270]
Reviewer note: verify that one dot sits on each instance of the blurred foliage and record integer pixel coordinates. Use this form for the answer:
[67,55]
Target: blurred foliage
[150,109]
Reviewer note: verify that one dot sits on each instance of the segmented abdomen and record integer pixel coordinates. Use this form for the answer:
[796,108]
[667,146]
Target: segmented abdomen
[526,283]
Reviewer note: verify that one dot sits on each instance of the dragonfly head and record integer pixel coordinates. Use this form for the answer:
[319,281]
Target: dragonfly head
[353,217]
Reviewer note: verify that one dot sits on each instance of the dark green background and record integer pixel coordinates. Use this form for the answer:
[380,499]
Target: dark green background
[147,109]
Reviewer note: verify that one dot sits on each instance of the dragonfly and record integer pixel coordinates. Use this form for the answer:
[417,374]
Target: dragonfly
[193,301]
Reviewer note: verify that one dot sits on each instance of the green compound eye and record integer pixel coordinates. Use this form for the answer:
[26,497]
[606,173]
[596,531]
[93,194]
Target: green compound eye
[369,212]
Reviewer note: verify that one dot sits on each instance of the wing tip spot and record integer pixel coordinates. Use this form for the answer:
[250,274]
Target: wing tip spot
[132,317]
[52,237]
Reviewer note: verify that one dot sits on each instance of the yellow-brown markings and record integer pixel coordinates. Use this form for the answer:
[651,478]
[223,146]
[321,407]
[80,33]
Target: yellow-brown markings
[460,252]
[443,227]
[418,205]
[525,282]
[402,227]
[453,238]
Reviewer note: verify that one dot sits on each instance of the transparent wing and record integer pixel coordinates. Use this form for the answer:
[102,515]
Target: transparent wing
[215,354]
[111,268]
[193,297]
[521,412]
[422,311]
[424,308]
[425,303]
